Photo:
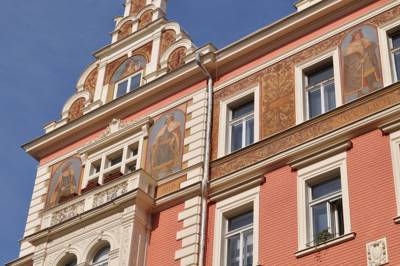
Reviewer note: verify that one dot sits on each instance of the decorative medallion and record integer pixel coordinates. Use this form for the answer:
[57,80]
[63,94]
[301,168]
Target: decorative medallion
[377,253]
[177,58]
[76,109]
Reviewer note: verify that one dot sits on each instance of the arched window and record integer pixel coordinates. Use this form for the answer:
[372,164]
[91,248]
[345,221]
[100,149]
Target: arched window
[68,260]
[101,257]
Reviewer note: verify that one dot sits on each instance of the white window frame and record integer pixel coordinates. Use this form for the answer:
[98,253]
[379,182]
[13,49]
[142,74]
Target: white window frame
[129,79]
[300,82]
[224,121]
[102,155]
[395,150]
[304,177]
[238,204]
[388,65]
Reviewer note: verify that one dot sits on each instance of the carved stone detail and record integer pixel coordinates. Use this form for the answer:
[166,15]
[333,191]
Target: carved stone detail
[110,194]
[377,253]
[90,83]
[177,58]
[67,213]
[76,109]
[112,67]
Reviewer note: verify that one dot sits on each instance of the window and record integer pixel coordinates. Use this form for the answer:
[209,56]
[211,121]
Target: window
[395,53]
[118,160]
[395,150]
[239,240]
[241,125]
[236,230]
[320,90]
[326,211]
[323,202]
[101,257]
[239,121]
[127,85]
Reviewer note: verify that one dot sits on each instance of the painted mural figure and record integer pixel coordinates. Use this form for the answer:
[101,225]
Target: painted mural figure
[64,182]
[362,73]
[166,144]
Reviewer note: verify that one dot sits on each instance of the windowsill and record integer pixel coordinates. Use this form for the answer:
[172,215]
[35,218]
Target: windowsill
[328,244]
[397,220]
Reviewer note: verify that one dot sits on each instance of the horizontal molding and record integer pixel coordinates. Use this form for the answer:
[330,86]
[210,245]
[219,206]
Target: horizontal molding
[319,154]
[328,244]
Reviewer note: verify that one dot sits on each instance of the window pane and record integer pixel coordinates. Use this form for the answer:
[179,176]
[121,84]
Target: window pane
[320,75]
[236,137]
[314,103]
[248,248]
[329,94]
[397,64]
[326,188]
[135,82]
[250,131]
[320,219]
[396,40]
[234,251]
[240,221]
[101,257]
[122,88]
[243,110]
[337,217]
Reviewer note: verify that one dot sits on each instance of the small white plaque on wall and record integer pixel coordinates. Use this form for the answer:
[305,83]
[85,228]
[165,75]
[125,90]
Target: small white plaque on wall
[377,253]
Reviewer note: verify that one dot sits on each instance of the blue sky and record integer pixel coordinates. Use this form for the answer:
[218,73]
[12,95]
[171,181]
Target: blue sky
[46,44]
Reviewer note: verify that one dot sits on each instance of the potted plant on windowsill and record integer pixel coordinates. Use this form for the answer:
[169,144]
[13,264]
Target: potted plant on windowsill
[323,237]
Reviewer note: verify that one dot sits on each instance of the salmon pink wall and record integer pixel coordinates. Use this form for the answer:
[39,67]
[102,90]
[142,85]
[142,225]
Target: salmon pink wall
[141,114]
[305,39]
[372,209]
[163,243]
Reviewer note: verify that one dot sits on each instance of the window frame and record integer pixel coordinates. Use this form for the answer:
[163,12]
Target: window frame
[313,174]
[224,135]
[395,152]
[302,112]
[231,122]
[129,79]
[102,156]
[388,64]
[231,207]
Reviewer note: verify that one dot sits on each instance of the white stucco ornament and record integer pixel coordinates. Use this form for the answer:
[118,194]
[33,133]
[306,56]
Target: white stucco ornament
[377,253]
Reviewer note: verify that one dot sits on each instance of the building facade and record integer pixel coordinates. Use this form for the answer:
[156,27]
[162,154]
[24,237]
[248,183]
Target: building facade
[282,148]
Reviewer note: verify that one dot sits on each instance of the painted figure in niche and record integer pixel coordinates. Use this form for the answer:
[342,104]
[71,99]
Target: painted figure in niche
[64,181]
[166,144]
[361,69]
[129,67]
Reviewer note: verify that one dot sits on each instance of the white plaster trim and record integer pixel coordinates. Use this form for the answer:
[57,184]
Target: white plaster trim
[388,67]
[313,171]
[395,150]
[72,99]
[223,134]
[85,74]
[300,48]
[301,108]
[181,43]
[243,199]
